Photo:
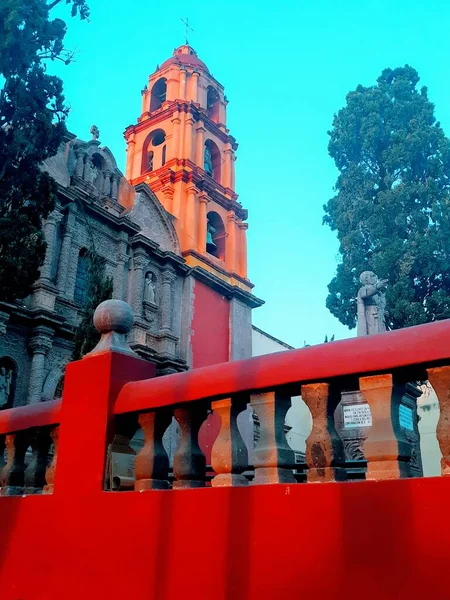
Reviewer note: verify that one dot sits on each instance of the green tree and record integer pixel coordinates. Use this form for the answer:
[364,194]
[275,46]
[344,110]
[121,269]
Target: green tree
[391,210]
[32,127]
[99,288]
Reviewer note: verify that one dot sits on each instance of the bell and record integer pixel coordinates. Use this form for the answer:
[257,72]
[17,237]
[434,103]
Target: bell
[211,247]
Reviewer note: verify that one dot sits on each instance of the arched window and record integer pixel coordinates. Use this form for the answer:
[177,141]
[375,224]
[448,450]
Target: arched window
[212,160]
[213,104]
[158,96]
[8,378]
[81,279]
[153,151]
[215,237]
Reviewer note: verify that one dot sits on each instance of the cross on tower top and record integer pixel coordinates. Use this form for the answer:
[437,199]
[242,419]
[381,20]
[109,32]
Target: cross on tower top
[186,23]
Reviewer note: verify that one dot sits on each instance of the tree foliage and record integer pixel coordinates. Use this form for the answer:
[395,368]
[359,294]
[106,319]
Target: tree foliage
[32,127]
[99,288]
[391,210]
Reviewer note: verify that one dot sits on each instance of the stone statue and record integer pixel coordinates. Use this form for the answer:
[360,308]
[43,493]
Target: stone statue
[371,304]
[150,288]
[5,385]
[94,130]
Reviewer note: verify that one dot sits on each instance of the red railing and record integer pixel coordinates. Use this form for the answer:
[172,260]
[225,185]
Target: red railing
[236,540]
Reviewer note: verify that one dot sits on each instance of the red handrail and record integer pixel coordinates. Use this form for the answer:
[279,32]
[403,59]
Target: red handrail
[422,345]
[33,415]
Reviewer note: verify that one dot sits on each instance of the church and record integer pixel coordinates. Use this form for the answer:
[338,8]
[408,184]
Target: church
[171,232]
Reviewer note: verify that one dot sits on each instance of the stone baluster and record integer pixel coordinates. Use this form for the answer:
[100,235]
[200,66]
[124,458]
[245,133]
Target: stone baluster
[115,186]
[324,448]
[440,380]
[40,345]
[386,449]
[12,479]
[229,453]
[168,276]
[152,462]
[273,459]
[79,167]
[34,479]
[51,469]
[139,265]
[50,228]
[189,462]
[107,183]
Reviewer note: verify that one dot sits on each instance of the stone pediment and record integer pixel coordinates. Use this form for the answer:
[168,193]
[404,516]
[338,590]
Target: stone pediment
[154,221]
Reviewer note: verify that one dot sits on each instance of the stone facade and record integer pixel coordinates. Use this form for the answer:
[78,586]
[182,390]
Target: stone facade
[96,210]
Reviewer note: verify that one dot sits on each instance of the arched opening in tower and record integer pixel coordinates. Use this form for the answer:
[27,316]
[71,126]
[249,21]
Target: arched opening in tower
[215,236]
[212,160]
[213,104]
[159,93]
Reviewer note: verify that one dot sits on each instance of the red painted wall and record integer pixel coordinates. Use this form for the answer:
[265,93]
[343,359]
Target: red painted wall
[343,541]
[210,327]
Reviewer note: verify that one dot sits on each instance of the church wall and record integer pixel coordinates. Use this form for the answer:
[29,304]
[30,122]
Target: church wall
[210,327]
[13,344]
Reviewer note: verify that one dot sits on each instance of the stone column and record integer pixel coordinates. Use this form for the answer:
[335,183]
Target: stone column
[107,183]
[194,85]
[115,186]
[199,145]
[233,171]
[167,280]
[119,278]
[40,345]
[79,168]
[242,263]
[139,264]
[50,227]
[168,192]
[190,217]
[183,76]
[176,122]
[230,250]
[188,130]
[64,257]
[131,148]
[226,177]
[202,222]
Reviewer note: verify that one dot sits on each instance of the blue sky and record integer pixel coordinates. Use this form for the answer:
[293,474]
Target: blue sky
[286,67]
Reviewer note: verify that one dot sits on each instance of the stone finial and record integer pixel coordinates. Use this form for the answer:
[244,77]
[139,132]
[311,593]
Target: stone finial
[94,130]
[113,319]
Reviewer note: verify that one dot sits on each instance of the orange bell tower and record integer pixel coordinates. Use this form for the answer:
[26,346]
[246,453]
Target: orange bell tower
[182,149]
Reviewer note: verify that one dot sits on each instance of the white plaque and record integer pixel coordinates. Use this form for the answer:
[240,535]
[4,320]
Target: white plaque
[406,417]
[357,415]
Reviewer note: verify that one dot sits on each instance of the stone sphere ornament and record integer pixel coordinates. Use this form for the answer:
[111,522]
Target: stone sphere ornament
[113,319]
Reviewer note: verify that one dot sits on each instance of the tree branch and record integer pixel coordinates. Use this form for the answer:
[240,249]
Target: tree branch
[53,4]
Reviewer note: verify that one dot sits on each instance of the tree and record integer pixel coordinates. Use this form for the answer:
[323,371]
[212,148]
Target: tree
[32,127]
[391,210]
[99,288]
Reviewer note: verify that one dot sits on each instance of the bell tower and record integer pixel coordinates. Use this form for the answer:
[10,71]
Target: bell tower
[182,149]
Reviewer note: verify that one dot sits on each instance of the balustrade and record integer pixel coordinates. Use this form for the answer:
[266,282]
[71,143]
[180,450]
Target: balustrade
[378,369]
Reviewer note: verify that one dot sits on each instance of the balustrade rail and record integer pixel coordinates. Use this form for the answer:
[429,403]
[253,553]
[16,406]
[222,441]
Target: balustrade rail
[381,367]
[29,439]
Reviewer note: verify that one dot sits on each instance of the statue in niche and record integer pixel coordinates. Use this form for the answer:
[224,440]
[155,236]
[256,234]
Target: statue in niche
[208,161]
[150,288]
[5,385]
[91,171]
[371,304]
